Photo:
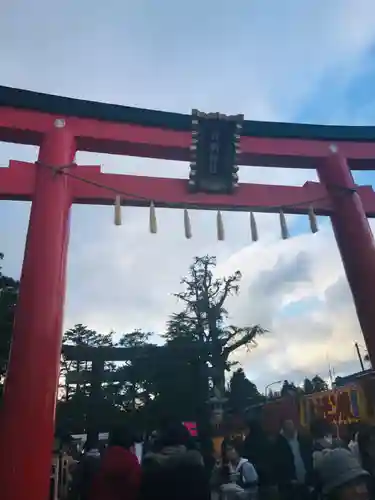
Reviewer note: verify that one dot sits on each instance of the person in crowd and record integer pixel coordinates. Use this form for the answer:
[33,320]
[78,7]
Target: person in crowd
[68,452]
[341,476]
[234,476]
[151,443]
[223,447]
[257,449]
[353,445]
[85,471]
[366,453]
[220,474]
[322,435]
[208,454]
[293,464]
[242,474]
[119,474]
[138,447]
[176,471]
[321,432]
[354,430]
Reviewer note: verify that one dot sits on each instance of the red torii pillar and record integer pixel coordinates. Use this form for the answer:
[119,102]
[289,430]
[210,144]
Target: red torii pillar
[28,412]
[354,239]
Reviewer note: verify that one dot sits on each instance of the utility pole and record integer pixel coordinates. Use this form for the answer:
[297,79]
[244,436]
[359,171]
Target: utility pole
[359,356]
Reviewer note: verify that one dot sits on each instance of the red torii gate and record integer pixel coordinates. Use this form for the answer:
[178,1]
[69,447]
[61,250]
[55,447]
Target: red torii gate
[61,126]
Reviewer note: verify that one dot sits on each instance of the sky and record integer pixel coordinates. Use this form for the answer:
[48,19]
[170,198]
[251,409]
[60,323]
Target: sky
[304,61]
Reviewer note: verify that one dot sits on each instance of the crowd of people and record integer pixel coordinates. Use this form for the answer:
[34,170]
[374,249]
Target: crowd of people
[290,466]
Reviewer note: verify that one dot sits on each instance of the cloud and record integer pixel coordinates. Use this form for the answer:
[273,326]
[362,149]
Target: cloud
[266,59]
[307,304]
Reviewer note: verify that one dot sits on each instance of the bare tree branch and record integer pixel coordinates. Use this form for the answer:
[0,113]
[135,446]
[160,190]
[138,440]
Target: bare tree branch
[247,338]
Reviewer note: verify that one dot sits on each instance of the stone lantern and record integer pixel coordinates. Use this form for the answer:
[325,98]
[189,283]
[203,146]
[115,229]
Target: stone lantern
[216,403]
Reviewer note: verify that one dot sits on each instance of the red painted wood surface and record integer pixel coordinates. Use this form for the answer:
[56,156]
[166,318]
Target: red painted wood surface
[29,400]
[354,239]
[17,183]
[28,127]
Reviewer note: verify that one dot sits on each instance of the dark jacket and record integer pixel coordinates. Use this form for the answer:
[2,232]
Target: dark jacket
[119,476]
[284,467]
[83,475]
[174,474]
[258,450]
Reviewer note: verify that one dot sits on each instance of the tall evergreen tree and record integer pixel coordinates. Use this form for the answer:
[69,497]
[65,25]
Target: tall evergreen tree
[204,318]
[242,393]
[308,386]
[319,384]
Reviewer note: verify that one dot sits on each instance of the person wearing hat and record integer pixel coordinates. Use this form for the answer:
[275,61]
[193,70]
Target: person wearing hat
[341,476]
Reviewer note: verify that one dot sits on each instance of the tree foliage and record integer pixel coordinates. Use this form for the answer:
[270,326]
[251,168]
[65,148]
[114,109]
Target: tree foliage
[73,408]
[242,393]
[180,382]
[308,386]
[79,335]
[155,383]
[316,384]
[288,388]
[204,318]
[319,384]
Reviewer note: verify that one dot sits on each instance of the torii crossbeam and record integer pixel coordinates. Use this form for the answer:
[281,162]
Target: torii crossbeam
[61,126]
